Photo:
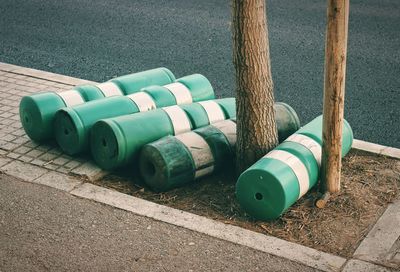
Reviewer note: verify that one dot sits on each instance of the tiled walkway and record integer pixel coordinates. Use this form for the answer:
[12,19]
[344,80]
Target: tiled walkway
[14,144]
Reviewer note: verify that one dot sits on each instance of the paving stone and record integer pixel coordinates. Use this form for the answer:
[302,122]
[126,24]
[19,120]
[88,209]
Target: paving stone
[90,171]
[48,156]
[6,114]
[55,151]
[31,144]
[360,266]
[4,161]
[8,137]
[23,150]
[60,161]
[63,170]
[25,158]
[34,153]
[13,155]
[38,162]
[58,181]
[383,241]
[8,146]
[51,166]
[72,164]
[23,171]
[21,140]
[44,148]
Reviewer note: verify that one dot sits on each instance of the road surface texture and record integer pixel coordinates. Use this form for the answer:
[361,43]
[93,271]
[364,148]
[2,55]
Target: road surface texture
[45,229]
[99,39]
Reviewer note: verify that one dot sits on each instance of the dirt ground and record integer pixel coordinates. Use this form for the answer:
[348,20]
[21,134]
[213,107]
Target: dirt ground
[369,184]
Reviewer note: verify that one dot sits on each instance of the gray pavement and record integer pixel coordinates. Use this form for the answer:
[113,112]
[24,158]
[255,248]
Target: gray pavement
[45,229]
[99,39]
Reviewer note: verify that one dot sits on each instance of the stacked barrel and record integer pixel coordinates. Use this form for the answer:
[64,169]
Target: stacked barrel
[177,160]
[72,124]
[37,111]
[174,131]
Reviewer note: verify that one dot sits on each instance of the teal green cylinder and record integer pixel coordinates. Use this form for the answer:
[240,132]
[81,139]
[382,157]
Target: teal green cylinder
[89,92]
[37,114]
[115,142]
[174,161]
[275,182]
[161,95]
[72,124]
[132,83]
[314,131]
[166,164]
[199,87]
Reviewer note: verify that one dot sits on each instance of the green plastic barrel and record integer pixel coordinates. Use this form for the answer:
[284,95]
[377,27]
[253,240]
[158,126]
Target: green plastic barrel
[72,124]
[171,161]
[37,111]
[174,161]
[116,141]
[275,182]
[134,82]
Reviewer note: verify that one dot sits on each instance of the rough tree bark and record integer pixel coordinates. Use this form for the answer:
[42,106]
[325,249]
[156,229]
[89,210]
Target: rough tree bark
[334,89]
[256,127]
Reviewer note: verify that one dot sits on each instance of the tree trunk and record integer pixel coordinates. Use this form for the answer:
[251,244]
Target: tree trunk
[256,127]
[334,88]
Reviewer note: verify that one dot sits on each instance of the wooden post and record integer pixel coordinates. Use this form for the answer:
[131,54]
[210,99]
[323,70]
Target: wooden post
[334,88]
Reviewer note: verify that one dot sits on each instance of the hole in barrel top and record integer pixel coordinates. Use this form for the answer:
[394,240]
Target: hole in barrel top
[104,142]
[258,196]
[26,119]
[66,131]
[149,168]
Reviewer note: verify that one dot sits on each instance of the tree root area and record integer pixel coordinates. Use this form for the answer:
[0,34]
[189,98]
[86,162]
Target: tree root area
[369,184]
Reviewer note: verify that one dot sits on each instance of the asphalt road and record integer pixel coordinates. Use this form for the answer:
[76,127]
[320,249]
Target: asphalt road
[99,39]
[43,229]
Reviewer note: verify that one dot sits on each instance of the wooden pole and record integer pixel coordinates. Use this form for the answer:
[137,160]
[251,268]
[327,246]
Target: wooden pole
[334,88]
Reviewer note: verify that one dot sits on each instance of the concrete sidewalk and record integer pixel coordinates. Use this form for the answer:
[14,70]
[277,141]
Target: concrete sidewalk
[42,228]
[79,226]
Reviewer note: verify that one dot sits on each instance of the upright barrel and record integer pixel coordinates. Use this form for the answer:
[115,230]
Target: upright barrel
[116,141]
[174,161]
[72,124]
[275,182]
[37,111]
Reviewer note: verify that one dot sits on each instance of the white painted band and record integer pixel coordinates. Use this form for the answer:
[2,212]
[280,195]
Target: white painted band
[179,119]
[200,151]
[213,110]
[109,89]
[143,100]
[181,93]
[308,143]
[228,128]
[203,172]
[71,98]
[296,165]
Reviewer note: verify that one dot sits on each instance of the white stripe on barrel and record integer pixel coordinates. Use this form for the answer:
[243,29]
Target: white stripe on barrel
[179,119]
[181,93]
[143,100]
[308,143]
[71,98]
[201,153]
[228,128]
[213,110]
[296,165]
[109,89]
